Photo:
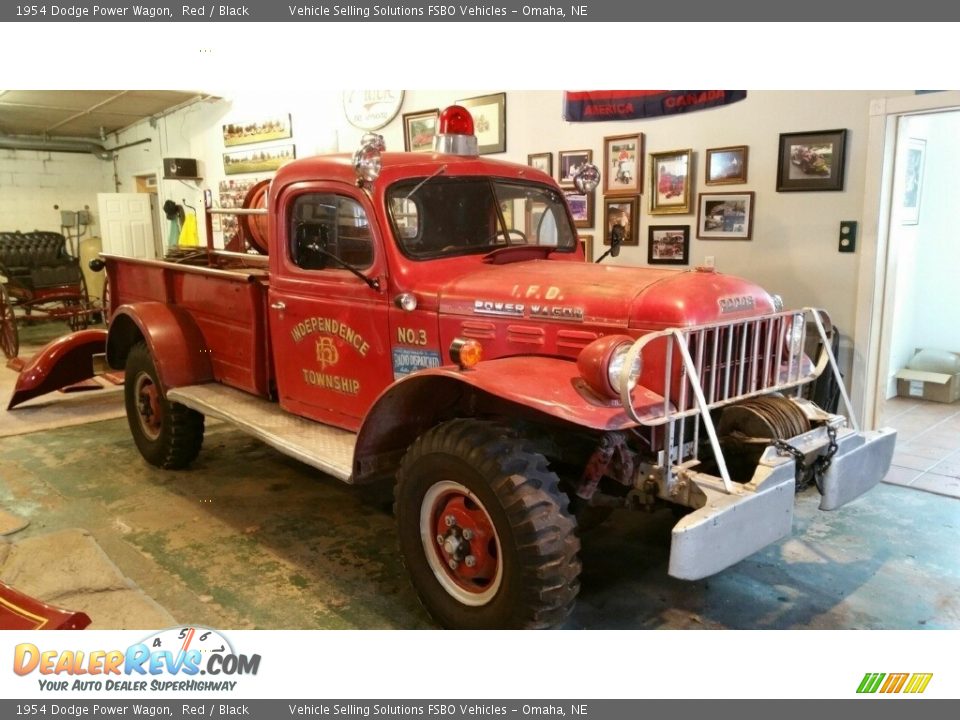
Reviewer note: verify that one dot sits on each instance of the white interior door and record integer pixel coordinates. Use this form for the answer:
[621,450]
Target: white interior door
[126,223]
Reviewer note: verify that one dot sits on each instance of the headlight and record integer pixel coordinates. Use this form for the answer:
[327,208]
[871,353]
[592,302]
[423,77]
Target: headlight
[794,335]
[601,365]
[615,369]
[777,302]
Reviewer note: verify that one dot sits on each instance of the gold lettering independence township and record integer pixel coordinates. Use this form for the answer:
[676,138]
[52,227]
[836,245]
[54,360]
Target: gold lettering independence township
[330,326]
[337,383]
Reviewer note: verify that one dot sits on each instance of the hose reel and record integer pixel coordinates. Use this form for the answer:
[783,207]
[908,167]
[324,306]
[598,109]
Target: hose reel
[747,428]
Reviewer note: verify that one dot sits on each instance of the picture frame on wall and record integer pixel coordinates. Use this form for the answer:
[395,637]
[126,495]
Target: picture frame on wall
[570,162]
[811,161]
[489,121]
[419,130]
[542,162]
[586,244]
[581,207]
[726,165]
[913,181]
[249,132]
[623,164]
[625,212]
[668,245]
[725,216]
[255,161]
[670,182]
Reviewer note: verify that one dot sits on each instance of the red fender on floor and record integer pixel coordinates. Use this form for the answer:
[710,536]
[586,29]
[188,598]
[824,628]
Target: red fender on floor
[62,362]
[22,612]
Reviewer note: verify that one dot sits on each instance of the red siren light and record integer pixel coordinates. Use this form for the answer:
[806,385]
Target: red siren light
[456,120]
[455,133]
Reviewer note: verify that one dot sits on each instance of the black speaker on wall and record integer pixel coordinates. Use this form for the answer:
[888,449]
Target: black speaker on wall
[180,169]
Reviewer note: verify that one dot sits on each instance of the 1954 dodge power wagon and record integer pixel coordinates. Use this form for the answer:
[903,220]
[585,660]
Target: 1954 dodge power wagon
[430,317]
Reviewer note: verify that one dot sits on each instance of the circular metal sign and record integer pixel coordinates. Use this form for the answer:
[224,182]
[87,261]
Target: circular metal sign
[371,109]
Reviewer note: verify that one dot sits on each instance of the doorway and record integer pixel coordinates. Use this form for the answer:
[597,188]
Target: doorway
[915,293]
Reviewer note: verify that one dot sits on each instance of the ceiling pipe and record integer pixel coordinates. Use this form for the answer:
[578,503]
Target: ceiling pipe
[67,145]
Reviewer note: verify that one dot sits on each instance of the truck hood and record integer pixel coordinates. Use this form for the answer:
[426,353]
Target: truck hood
[610,295]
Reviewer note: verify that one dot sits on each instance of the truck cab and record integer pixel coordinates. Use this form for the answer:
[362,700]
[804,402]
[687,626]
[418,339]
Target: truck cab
[429,318]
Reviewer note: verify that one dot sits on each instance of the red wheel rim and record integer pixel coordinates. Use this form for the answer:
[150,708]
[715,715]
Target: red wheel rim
[149,410]
[461,543]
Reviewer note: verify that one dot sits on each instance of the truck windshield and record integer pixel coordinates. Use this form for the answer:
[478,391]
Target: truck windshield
[444,216]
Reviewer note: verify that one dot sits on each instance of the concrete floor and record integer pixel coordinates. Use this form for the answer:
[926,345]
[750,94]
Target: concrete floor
[248,538]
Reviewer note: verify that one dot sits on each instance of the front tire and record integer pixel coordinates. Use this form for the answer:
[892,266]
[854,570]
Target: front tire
[167,434]
[485,531]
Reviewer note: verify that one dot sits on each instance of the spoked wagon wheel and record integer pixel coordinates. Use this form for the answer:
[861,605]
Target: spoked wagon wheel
[485,532]
[79,309]
[9,337]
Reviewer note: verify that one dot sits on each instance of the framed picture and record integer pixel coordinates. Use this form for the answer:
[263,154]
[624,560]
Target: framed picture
[542,162]
[489,121]
[727,165]
[257,131]
[419,129]
[570,162]
[811,160]
[725,216]
[623,164]
[625,213]
[586,244]
[913,181]
[670,182]
[251,161]
[581,207]
[668,245]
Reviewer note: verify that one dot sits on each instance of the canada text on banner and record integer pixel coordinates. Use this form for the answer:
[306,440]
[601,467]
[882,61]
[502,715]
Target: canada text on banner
[600,105]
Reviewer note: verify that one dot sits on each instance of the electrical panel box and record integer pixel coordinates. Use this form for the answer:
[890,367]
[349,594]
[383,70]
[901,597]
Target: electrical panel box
[180,169]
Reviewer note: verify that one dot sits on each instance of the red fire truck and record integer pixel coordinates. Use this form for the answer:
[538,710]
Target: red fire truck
[430,318]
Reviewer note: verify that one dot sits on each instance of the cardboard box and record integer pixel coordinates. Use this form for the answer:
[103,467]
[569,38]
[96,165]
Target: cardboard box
[938,387]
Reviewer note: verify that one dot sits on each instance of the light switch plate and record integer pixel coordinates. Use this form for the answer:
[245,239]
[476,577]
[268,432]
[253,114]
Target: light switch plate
[848,236]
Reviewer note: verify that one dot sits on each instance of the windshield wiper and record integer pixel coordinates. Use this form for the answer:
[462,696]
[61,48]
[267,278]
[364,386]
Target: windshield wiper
[423,182]
[372,282]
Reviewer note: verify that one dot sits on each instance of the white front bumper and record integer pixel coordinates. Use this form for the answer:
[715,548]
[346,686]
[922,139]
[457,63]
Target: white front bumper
[732,526]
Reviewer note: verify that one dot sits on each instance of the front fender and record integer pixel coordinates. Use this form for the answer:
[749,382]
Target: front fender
[524,386]
[175,342]
[61,362]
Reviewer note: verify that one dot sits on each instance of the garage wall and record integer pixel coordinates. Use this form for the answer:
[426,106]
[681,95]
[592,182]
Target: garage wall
[32,182]
[794,246]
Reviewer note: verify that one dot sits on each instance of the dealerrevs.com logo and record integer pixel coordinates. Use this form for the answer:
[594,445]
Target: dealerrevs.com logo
[887,683]
[173,659]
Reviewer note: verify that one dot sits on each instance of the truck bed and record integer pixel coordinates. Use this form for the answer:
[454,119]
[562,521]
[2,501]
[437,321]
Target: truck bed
[229,305]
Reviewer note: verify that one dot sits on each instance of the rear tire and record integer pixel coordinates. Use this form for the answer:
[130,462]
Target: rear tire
[167,434]
[485,532]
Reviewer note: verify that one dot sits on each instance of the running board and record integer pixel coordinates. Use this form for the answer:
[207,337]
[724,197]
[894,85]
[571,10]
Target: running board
[326,448]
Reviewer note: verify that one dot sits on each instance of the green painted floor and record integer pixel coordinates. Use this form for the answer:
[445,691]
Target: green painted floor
[250,539]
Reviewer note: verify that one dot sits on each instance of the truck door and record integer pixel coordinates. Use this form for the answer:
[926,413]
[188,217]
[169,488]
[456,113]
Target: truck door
[327,325]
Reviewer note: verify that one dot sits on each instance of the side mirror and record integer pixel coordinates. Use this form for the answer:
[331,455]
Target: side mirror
[96,264]
[587,178]
[616,239]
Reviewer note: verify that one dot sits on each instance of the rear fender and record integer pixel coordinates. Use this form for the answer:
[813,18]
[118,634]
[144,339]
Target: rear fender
[175,342]
[524,387]
[61,362]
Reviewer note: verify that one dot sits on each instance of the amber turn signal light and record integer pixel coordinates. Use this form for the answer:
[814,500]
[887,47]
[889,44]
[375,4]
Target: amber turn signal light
[465,353]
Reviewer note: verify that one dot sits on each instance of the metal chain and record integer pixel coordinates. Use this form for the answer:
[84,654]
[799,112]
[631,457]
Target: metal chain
[820,465]
[783,449]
